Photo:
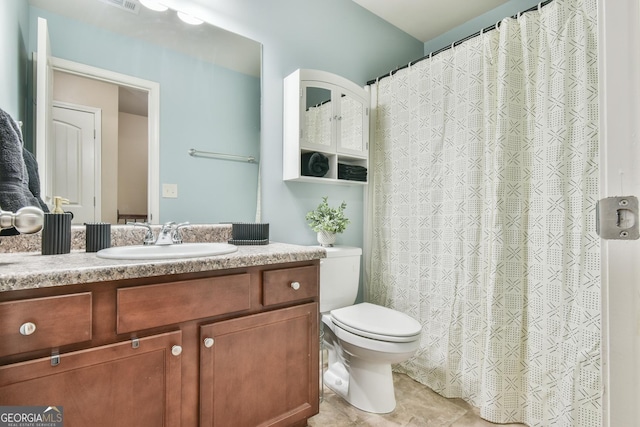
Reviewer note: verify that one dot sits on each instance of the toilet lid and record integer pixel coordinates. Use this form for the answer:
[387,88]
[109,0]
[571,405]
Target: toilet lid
[377,322]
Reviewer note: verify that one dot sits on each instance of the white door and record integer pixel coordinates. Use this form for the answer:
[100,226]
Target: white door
[75,155]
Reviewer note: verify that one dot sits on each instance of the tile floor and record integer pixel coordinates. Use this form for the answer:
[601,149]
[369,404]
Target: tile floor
[417,406]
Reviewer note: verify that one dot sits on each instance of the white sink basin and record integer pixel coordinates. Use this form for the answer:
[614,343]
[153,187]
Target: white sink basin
[183,250]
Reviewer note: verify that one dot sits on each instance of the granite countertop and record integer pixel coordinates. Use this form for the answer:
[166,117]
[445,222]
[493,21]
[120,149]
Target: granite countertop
[31,270]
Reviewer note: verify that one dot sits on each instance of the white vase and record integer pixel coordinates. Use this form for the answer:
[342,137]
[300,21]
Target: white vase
[326,238]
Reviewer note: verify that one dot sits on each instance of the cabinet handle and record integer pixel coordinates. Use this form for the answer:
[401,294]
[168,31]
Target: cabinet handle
[176,350]
[208,342]
[295,285]
[27,328]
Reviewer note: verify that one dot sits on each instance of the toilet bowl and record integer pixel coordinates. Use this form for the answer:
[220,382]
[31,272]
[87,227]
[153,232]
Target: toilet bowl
[362,340]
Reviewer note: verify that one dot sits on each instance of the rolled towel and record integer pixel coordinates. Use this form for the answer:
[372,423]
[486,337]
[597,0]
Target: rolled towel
[314,164]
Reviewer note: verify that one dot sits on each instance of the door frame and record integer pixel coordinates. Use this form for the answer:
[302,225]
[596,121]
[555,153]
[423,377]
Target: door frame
[619,93]
[153,90]
[97,144]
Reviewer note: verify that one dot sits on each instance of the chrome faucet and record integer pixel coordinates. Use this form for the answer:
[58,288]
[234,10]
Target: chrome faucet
[149,238]
[169,233]
[165,236]
[177,236]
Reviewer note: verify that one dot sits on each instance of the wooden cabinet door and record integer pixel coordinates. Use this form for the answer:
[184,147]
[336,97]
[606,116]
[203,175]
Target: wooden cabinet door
[260,370]
[112,385]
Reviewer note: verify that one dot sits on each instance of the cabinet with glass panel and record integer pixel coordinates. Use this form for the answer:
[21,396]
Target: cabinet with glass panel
[326,128]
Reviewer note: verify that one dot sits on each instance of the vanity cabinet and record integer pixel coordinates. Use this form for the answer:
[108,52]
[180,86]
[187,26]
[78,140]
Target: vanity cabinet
[257,370]
[218,348]
[327,114]
[116,384]
[273,357]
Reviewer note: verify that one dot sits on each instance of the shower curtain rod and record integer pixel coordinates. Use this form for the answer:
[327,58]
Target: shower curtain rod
[447,47]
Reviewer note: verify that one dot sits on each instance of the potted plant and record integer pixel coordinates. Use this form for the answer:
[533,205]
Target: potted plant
[327,221]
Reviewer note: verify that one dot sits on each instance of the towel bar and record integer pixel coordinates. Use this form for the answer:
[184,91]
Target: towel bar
[222,156]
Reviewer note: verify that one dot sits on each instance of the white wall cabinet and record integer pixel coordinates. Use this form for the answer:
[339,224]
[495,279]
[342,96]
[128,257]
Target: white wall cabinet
[326,114]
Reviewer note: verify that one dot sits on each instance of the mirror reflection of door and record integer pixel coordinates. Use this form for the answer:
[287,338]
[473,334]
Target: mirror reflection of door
[123,191]
[75,152]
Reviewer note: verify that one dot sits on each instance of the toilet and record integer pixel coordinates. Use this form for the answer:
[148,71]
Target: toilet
[361,340]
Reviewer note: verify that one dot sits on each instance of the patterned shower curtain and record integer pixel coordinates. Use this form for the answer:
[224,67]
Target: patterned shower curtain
[482,217]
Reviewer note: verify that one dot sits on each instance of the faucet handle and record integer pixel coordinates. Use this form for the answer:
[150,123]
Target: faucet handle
[177,236]
[149,238]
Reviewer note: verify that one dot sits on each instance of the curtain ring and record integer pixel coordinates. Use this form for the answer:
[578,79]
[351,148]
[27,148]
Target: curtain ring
[453,45]
[430,53]
[539,6]
[497,25]
[518,18]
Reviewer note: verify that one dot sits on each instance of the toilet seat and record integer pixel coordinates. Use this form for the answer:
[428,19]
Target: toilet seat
[377,322]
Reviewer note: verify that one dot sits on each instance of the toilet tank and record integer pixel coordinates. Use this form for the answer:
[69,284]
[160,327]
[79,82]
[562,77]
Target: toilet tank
[339,277]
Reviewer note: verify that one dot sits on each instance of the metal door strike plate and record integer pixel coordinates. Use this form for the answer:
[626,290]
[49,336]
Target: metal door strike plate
[617,218]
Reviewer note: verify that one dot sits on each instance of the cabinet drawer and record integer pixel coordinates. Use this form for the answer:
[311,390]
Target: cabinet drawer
[48,322]
[289,285]
[145,307]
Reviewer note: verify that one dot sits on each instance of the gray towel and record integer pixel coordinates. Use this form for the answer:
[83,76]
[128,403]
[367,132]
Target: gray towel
[314,164]
[34,177]
[14,177]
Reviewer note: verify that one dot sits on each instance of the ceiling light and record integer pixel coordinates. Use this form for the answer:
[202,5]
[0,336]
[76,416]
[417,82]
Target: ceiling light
[154,5]
[189,19]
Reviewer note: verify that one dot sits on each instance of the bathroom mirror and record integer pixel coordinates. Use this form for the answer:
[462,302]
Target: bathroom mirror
[209,100]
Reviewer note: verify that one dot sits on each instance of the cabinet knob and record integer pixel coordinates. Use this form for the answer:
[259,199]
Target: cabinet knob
[208,342]
[176,350]
[295,285]
[27,328]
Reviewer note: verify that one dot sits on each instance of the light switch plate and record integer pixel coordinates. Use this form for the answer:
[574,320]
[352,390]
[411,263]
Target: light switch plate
[170,191]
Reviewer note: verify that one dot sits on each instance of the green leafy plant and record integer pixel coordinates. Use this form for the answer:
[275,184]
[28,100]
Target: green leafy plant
[327,218]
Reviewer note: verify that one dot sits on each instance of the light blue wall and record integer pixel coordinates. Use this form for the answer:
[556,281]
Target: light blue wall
[14,24]
[512,7]
[191,116]
[337,36]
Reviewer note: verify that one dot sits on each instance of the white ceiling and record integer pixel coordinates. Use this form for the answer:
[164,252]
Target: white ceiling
[427,19]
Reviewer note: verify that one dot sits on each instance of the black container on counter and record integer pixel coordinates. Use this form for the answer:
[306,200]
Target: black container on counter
[98,236]
[56,234]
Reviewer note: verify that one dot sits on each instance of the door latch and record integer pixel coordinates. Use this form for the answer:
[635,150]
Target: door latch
[617,218]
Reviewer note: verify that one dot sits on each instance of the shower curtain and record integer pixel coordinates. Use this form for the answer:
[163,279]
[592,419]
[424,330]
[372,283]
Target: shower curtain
[482,216]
